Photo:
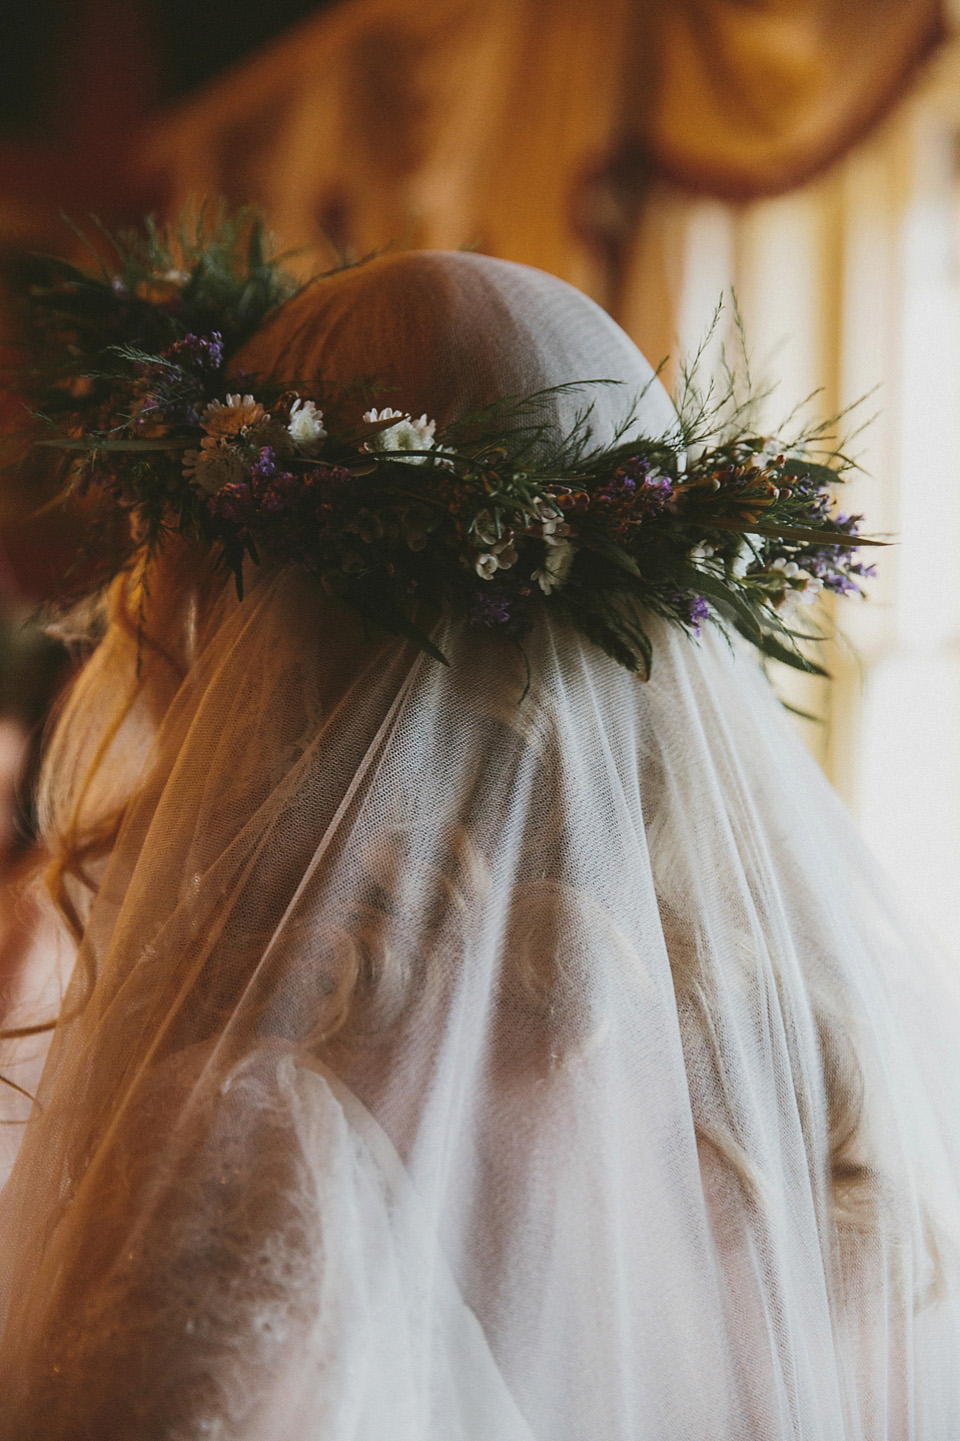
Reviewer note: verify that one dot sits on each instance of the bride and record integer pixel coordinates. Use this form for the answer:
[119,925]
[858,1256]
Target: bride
[440,1064]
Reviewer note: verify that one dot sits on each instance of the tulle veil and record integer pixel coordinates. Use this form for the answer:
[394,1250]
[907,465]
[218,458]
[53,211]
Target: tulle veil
[444,1064]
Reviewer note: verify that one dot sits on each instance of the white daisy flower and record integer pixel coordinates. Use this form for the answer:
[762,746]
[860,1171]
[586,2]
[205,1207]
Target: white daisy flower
[305,427]
[405,434]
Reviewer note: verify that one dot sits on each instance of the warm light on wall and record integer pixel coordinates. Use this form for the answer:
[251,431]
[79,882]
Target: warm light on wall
[853,284]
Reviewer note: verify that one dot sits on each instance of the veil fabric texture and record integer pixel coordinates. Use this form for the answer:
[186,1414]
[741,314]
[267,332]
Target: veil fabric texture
[444,1064]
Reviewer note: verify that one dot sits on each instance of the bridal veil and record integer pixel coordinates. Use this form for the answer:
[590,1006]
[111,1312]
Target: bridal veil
[444,1062]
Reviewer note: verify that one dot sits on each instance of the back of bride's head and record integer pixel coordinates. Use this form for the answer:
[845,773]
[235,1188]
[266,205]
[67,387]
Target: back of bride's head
[443,334]
[447,333]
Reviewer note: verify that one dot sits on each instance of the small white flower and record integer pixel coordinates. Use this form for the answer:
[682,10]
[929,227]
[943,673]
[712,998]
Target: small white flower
[545,509]
[701,553]
[776,448]
[554,532]
[406,434]
[553,527]
[789,567]
[305,427]
[505,550]
[556,566]
[812,587]
[485,528]
[804,589]
[499,556]
[745,557]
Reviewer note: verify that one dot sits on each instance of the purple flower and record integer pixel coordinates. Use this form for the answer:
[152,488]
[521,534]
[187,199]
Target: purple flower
[639,484]
[699,610]
[266,466]
[692,609]
[496,611]
[202,352]
[490,610]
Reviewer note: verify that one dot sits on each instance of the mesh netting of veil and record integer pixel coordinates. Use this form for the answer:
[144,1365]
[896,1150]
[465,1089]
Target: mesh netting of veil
[441,1064]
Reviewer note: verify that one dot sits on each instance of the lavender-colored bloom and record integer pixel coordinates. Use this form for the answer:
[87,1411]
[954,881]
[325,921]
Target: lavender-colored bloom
[178,412]
[266,466]
[497,611]
[639,481]
[200,351]
[490,610]
[694,610]
[840,576]
[699,612]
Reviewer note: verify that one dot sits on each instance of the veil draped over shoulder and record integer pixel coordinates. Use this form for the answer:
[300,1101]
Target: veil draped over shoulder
[441,1064]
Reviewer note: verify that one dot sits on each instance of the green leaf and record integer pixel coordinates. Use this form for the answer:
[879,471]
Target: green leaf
[608,549]
[626,643]
[624,618]
[644,645]
[803,714]
[393,619]
[825,535]
[771,645]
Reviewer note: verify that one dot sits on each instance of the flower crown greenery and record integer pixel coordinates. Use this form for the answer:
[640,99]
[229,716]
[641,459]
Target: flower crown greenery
[489,519]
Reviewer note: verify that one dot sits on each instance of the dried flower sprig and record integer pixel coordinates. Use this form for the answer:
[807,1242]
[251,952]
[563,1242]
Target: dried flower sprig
[490,519]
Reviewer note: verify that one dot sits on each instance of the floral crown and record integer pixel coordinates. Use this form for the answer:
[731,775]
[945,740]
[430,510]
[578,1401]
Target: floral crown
[490,518]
